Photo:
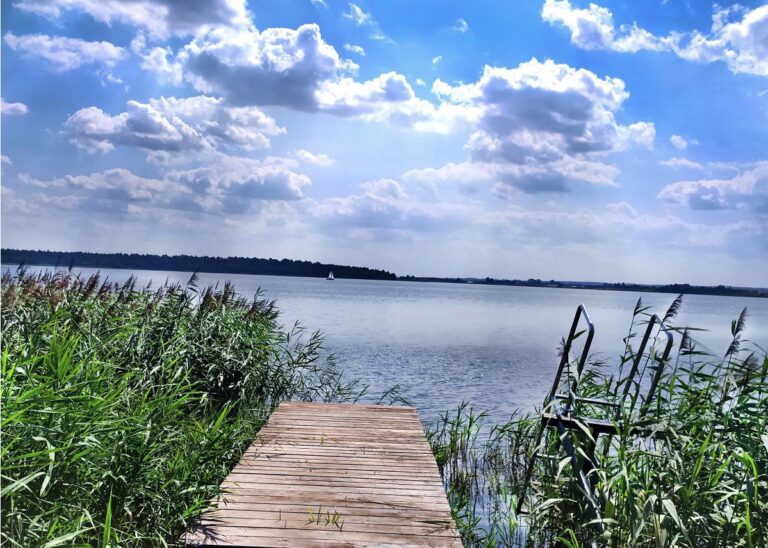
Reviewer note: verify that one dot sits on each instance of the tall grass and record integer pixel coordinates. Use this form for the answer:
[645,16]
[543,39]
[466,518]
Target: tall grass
[702,482]
[123,408]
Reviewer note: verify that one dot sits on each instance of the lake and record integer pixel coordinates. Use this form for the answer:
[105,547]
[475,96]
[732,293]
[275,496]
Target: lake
[493,346]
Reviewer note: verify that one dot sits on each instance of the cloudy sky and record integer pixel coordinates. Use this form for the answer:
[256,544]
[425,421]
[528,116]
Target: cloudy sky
[615,141]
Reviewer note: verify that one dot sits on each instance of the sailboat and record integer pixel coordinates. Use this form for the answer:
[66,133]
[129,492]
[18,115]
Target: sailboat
[330,275]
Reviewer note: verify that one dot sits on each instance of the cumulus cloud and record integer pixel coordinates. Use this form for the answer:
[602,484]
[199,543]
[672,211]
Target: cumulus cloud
[738,36]
[747,191]
[63,54]
[542,111]
[461,25]
[274,67]
[173,125]
[541,124]
[5,160]
[159,18]
[12,109]
[228,185]
[299,70]
[593,28]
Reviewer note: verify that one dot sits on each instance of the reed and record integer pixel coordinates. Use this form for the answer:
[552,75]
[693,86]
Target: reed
[123,408]
[704,483]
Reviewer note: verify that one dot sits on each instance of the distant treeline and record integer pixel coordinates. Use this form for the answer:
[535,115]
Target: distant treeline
[289,267]
[670,288]
[191,263]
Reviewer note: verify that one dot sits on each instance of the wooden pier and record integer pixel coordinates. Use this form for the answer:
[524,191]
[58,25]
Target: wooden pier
[333,475]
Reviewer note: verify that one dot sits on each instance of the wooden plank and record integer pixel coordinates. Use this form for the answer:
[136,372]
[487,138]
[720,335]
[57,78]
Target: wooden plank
[333,475]
[315,500]
[352,476]
[352,512]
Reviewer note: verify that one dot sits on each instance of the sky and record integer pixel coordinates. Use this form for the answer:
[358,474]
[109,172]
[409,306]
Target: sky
[554,139]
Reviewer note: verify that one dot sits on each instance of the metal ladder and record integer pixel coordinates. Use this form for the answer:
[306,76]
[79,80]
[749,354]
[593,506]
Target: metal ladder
[567,421]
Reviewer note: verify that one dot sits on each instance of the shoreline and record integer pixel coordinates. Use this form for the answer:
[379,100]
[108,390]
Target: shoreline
[687,289]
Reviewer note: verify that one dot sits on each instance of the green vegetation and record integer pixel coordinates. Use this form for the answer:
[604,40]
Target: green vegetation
[703,483]
[123,408]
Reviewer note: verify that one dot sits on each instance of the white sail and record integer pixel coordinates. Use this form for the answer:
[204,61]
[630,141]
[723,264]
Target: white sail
[330,275]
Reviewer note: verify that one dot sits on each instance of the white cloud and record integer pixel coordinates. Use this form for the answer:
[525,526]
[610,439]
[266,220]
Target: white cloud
[12,109]
[593,28]
[546,122]
[299,70]
[461,25]
[382,207]
[352,48]
[529,178]
[616,223]
[274,67]
[746,191]
[363,18]
[681,143]
[5,160]
[356,14]
[453,172]
[741,43]
[157,59]
[642,133]
[225,185]
[63,54]
[320,3]
[315,159]
[420,82]
[436,60]
[173,125]
[159,18]
[685,163]
[682,162]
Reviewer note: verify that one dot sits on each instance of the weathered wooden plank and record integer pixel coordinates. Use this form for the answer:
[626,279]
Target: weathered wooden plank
[325,499]
[333,475]
[330,521]
[242,473]
[316,499]
[325,464]
[352,512]
[303,537]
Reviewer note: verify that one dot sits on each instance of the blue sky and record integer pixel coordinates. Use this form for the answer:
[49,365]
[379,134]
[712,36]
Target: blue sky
[618,141]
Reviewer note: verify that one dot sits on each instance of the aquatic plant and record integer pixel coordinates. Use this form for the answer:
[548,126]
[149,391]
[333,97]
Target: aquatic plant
[123,408]
[700,480]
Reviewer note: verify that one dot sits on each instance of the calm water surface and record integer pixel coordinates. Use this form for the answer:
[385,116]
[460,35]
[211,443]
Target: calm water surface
[492,346]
